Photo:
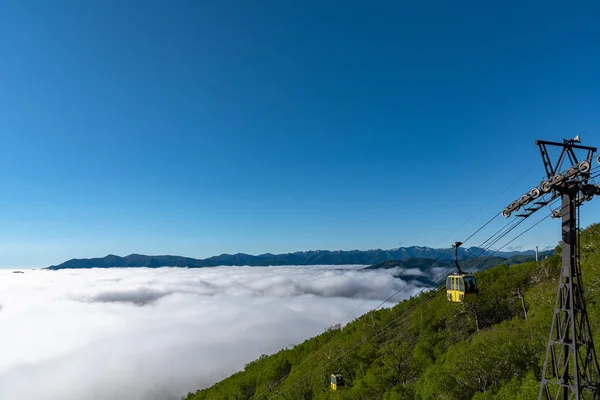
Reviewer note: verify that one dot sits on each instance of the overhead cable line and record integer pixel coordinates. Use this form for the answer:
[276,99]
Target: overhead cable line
[483,226]
[513,225]
[408,282]
[388,324]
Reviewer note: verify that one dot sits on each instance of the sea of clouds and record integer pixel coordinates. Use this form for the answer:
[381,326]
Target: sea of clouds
[157,334]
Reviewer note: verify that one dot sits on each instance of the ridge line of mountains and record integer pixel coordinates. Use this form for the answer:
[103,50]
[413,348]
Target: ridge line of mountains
[313,257]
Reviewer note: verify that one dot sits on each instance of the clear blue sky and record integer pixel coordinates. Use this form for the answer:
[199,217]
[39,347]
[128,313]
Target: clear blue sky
[202,127]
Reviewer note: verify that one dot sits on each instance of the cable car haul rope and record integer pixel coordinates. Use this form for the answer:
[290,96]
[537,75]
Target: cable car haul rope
[461,286]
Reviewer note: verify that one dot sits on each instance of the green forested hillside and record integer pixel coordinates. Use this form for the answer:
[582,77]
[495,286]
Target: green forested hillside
[428,348]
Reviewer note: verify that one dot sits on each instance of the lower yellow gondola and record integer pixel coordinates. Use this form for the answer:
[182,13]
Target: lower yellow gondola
[337,380]
[461,288]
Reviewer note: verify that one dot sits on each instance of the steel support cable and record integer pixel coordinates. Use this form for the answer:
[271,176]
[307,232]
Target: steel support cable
[451,268]
[496,240]
[442,257]
[493,199]
[437,261]
[489,245]
[433,290]
[408,282]
[433,265]
[507,228]
[513,226]
[482,247]
[430,267]
[595,174]
[402,313]
[498,232]
[521,234]
[490,202]
[483,226]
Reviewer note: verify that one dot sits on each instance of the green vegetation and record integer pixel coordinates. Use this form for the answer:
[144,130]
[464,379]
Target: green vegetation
[428,348]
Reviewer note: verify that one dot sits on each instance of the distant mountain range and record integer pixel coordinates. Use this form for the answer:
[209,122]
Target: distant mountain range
[315,257]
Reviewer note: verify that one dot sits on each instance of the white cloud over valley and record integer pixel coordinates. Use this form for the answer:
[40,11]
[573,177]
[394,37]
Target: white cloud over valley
[142,333]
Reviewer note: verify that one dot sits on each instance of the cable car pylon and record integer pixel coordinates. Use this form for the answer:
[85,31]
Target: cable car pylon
[571,369]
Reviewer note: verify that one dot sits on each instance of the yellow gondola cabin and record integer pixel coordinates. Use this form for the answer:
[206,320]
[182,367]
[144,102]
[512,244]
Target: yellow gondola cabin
[337,380]
[461,288]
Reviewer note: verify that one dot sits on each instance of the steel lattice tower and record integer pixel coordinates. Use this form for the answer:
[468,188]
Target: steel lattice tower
[571,369]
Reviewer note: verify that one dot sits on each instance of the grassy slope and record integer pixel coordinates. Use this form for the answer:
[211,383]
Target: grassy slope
[428,348]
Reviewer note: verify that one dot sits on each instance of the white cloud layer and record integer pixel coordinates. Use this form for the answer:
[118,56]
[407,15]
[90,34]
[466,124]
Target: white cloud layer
[156,334]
